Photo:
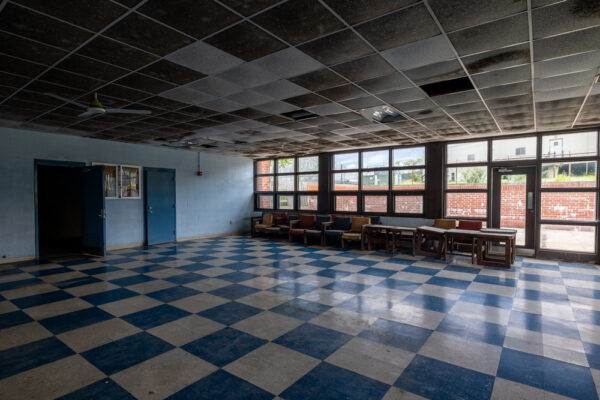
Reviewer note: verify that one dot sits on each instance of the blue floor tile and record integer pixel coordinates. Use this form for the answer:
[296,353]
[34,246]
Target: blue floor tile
[77,262]
[105,389]
[436,379]
[223,386]
[403,336]
[432,303]
[239,266]
[346,287]
[148,268]
[51,271]
[539,323]
[332,273]
[362,263]
[286,275]
[421,270]
[127,352]
[19,284]
[100,270]
[327,381]
[224,346]
[172,294]
[240,257]
[71,283]
[486,299]
[132,280]
[185,278]
[230,313]
[587,316]
[77,319]
[109,296]
[322,264]
[237,277]
[552,375]
[31,355]
[292,289]
[449,282]
[583,292]
[159,315]
[473,329]
[300,309]
[495,280]
[541,278]
[313,340]
[235,291]
[384,273]
[398,284]
[13,318]
[463,269]
[367,305]
[531,294]
[39,299]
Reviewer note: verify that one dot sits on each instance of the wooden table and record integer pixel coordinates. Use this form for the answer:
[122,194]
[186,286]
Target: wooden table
[512,232]
[372,231]
[403,235]
[486,257]
[464,234]
[429,233]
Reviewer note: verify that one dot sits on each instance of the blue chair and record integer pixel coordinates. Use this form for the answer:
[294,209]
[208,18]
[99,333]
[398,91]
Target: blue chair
[318,229]
[336,228]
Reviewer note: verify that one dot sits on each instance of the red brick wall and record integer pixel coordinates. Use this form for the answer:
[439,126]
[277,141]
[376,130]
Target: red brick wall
[466,205]
[573,206]
[513,205]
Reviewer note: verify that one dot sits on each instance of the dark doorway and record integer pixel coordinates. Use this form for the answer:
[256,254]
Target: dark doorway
[59,210]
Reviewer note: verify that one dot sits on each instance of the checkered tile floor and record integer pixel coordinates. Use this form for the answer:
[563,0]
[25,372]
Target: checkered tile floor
[243,318]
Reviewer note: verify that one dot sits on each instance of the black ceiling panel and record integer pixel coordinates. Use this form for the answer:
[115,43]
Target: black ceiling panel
[364,68]
[355,11]
[21,67]
[298,21]
[318,80]
[249,7]
[92,68]
[113,52]
[458,14]
[447,87]
[246,41]
[29,50]
[343,92]
[337,48]
[172,72]
[149,84]
[306,100]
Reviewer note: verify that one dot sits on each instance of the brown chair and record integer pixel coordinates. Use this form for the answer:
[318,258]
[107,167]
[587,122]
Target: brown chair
[264,223]
[356,231]
[299,226]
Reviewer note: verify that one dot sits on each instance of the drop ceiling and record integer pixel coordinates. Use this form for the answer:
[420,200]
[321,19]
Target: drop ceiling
[261,77]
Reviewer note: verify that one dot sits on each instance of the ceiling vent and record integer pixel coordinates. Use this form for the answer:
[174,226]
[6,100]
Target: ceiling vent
[447,87]
[297,115]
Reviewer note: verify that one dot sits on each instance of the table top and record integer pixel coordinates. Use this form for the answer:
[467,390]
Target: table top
[457,231]
[431,229]
[390,227]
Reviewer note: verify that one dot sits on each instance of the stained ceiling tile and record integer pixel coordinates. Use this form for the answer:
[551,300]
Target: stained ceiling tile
[385,83]
[318,80]
[564,17]
[306,100]
[204,58]
[343,92]
[436,72]
[246,41]
[364,68]
[215,86]
[35,26]
[148,35]
[423,52]
[503,76]
[581,78]
[399,28]
[222,105]
[498,59]
[567,44]
[337,48]
[458,14]
[511,89]
[187,95]
[288,62]
[298,21]
[113,52]
[281,89]
[249,7]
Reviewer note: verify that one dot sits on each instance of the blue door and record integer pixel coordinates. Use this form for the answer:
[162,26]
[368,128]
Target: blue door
[160,205]
[93,211]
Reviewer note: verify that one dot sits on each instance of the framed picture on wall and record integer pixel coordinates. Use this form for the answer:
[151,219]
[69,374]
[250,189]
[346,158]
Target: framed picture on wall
[130,182]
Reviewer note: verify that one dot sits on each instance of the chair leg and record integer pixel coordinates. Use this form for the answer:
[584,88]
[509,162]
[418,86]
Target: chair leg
[342,242]
[305,239]
[362,245]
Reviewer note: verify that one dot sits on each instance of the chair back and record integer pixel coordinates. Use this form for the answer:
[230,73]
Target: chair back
[267,219]
[341,223]
[320,219]
[358,222]
[306,222]
[280,218]
[445,223]
[470,225]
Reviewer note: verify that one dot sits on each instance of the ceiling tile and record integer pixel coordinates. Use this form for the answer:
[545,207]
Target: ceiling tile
[582,78]
[222,105]
[385,83]
[402,95]
[246,41]
[124,93]
[139,81]
[512,89]
[498,59]
[31,25]
[187,95]
[29,50]
[343,92]
[196,18]
[196,111]
[249,7]
[248,76]
[565,65]
[564,17]
[490,36]
[249,98]
[204,58]
[364,68]
[276,107]
[250,113]
[503,76]
[78,11]
[327,109]
[567,44]
[306,100]
[148,35]
[458,14]
[163,103]
[281,89]
[288,62]
[337,48]
[317,80]
[215,86]
[112,52]
[298,21]
[423,52]
[436,72]
[355,11]
[90,67]
[71,80]
[362,102]
[399,28]
[171,72]
[20,67]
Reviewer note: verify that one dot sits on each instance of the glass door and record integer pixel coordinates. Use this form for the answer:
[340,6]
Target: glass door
[513,203]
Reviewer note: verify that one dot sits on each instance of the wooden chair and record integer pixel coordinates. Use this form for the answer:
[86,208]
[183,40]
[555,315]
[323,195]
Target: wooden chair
[356,231]
[261,224]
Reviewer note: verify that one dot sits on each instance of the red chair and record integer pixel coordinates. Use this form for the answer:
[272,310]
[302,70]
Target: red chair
[297,227]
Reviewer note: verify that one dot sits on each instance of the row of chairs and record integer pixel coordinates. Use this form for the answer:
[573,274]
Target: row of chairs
[340,228]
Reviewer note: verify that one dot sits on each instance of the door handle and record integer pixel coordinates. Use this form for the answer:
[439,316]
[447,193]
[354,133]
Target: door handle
[149,210]
[530,200]
[102,213]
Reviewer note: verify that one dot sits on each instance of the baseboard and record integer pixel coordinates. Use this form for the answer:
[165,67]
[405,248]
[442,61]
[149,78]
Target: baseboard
[123,246]
[212,236]
[16,259]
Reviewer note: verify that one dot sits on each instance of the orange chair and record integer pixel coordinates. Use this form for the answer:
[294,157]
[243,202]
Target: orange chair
[356,232]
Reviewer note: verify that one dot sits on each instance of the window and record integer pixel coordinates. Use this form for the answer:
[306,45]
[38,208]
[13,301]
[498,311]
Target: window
[375,204]
[346,203]
[308,203]
[408,204]
[466,185]
[514,149]
[287,176]
[111,181]
[130,182]
[377,179]
[568,192]
[569,145]
[470,152]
